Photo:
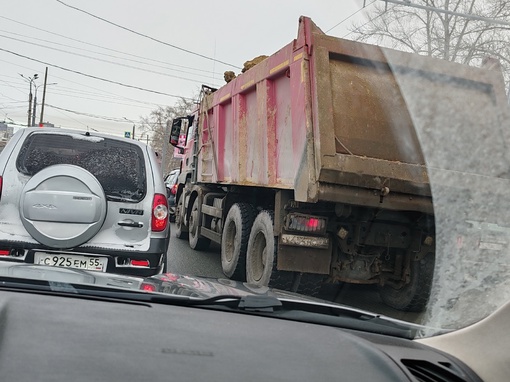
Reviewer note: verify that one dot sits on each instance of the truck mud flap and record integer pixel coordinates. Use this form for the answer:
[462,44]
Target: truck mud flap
[304,259]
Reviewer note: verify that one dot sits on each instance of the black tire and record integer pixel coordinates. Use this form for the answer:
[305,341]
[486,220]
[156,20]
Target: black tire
[195,241]
[412,297]
[261,255]
[180,229]
[234,240]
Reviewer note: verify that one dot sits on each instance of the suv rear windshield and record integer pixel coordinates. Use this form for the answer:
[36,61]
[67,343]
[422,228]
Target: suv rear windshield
[118,166]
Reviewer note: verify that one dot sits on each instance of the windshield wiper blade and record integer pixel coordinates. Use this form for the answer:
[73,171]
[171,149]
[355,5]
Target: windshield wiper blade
[315,313]
[247,303]
[264,305]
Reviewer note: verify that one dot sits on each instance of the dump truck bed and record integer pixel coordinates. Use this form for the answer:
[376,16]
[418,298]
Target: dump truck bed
[330,119]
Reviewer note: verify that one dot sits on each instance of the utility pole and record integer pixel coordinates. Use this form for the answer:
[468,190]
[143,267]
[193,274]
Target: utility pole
[29,106]
[35,105]
[31,80]
[43,97]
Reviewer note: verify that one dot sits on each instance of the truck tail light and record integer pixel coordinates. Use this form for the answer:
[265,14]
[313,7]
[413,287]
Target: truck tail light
[159,213]
[306,223]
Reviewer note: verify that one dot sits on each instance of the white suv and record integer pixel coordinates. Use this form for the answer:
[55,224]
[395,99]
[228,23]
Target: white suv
[82,200]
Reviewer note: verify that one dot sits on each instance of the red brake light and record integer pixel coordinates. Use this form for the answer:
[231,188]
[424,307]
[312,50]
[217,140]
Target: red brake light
[140,263]
[306,223]
[148,287]
[0,186]
[159,213]
[4,252]
[173,190]
[312,223]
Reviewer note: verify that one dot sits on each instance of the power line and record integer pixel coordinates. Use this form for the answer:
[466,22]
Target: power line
[102,60]
[362,25]
[408,3]
[167,66]
[105,94]
[69,94]
[113,119]
[94,77]
[97,46]
[146,36]
[348,17]
[14,87]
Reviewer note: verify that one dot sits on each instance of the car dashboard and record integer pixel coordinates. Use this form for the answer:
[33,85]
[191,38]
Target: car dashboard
[57,337]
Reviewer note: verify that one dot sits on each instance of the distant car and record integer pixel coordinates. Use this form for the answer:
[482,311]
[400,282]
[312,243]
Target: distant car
[82,200]
[171,184]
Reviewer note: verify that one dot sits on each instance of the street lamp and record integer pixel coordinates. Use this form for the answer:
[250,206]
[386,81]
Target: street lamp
[31,80]
[35,102]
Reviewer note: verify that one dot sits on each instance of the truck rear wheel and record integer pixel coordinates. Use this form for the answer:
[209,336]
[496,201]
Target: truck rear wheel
[414,296]
[180,231]
[261,255]
[234,240]
[195,241]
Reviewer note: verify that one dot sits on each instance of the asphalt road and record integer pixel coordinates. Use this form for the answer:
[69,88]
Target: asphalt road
[186,261]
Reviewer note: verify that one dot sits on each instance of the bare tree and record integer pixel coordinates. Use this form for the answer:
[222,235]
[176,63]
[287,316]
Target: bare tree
[154,127]
[466,40]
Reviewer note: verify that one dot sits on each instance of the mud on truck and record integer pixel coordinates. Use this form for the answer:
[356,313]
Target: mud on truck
[307,168]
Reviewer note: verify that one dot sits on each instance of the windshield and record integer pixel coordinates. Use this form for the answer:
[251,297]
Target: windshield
[354,152]
[118,166]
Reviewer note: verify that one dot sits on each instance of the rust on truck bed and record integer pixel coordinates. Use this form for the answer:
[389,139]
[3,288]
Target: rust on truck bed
[331,119]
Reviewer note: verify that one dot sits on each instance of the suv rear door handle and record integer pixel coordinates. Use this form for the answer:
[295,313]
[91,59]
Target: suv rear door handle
[130,223]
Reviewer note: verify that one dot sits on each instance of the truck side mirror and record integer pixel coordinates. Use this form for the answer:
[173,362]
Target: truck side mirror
[175,131]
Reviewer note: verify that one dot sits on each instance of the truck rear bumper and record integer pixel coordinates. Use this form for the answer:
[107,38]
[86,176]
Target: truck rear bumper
[305,241]
[374,198]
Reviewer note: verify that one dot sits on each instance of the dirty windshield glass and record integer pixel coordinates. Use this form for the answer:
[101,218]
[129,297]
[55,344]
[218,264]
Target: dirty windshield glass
[355,152]
[118,166]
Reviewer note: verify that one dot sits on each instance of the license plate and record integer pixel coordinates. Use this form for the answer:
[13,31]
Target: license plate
[71,261]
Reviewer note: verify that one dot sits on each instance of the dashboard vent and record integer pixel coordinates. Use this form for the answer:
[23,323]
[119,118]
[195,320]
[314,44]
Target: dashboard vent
[425,371]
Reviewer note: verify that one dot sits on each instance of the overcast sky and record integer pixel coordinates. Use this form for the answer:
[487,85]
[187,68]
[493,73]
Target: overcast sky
[77,47]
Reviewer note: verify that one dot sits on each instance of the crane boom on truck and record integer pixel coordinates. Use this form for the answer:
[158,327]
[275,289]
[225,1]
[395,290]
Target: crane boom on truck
[307,168]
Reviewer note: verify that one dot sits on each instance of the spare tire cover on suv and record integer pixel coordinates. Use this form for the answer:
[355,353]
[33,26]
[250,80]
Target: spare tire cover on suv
[63,206]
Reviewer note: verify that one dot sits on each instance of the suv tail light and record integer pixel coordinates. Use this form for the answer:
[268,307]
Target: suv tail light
[148,287]
[159,213]
[140,263]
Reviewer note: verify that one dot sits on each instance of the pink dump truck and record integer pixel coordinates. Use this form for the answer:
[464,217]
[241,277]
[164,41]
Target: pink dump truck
[307,168]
